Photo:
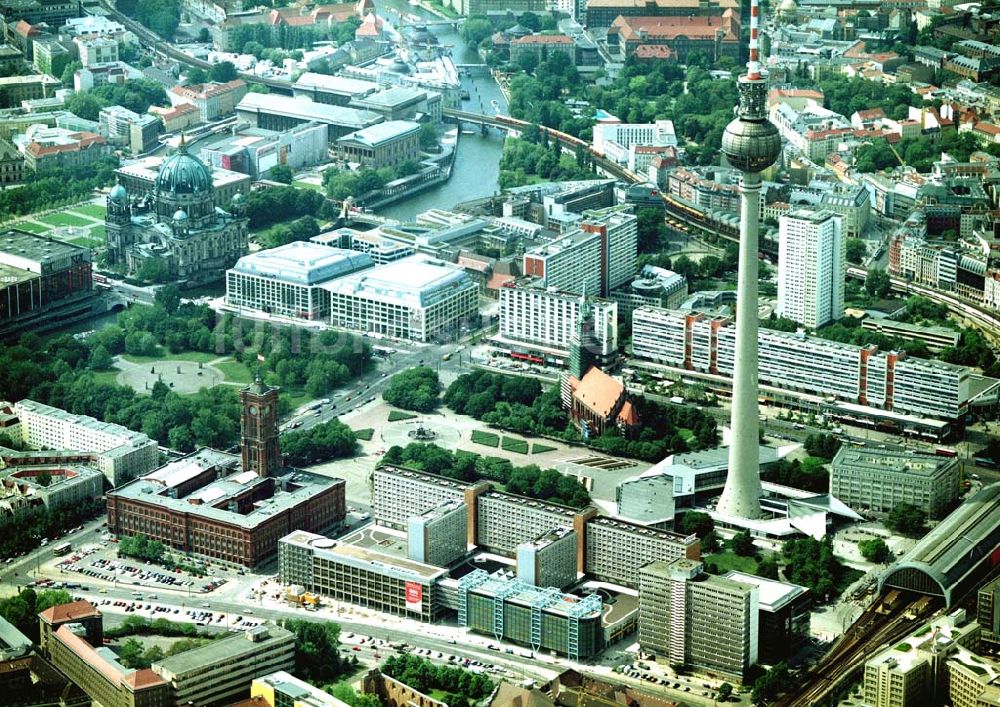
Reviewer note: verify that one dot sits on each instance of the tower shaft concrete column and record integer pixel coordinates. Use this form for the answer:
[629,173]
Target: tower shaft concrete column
[741,496]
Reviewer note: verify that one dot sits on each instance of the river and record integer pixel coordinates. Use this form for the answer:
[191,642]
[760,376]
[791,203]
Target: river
[477,165]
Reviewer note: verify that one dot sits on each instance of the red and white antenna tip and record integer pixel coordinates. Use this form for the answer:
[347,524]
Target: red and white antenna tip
[753,66]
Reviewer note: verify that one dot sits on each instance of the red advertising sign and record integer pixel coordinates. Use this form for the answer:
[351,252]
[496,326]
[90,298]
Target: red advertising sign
[414,596]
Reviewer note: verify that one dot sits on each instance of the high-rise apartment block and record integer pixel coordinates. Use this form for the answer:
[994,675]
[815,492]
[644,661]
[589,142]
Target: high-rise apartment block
[616,549]
[618,228]
[864,375]
[877,480]
[440,535]
[549,560]
[707,622]
[912,673]
[119,453]
[988,614]
[571,263]
[540,321]
[811,267]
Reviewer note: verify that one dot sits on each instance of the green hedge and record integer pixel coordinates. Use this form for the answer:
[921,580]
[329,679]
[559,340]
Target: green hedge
[512,444]
[485,438]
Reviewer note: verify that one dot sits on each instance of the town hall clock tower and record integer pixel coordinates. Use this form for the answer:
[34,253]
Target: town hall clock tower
[259,429]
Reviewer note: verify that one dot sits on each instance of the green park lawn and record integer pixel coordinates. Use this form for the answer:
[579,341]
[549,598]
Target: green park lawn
[31,227]
[726,561]
[92,210]
[537,448]
[196,356]
[235,372]
[64,219]
[487,439]
[512,444]
[399,416]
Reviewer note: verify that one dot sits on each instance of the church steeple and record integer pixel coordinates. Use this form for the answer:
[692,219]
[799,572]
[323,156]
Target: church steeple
[583,344]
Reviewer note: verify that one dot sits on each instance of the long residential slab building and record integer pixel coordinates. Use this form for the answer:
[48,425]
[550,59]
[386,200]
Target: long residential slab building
[864,375]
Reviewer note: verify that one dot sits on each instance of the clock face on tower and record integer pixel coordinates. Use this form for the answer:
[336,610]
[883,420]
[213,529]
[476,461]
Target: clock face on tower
[253,409]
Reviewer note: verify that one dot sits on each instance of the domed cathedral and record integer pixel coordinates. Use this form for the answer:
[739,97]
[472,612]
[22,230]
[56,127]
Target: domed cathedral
[178,224]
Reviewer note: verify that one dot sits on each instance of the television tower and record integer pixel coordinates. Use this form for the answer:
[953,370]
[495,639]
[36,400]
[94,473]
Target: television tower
[751,144]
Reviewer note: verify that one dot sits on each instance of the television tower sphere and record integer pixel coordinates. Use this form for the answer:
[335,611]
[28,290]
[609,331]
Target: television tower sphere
[751,143]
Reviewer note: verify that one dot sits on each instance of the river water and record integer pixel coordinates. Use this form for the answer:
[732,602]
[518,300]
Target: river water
[477,165]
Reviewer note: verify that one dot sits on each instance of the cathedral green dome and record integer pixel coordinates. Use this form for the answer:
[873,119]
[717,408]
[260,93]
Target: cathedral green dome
[183,173]
[118,194]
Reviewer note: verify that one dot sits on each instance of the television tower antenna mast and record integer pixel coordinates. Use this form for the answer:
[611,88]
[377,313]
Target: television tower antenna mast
[751,144]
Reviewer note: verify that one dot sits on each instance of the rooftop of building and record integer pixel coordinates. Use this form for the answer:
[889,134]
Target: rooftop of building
[32,78]
[202,91]
[773,595]
[550,536]
[562,243]
[516,591]
[637,529]
[942,632]
[124,434]
[369,547]
[545,506]
[715,458]
[416,281]
[301,692]
[337,84]
[956,546]
[423,476]
[543,39]
[12,640]
[110,669]
[308,110]
[904,461]
[599,392]
[303,263]
[684,4]
[211,500]
[377,135]
[231,649]
[394,97]
[58,475]
[147,168]
[695,27]
[37,249]
[442,509]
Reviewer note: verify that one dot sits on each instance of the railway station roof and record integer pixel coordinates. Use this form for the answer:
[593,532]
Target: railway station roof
[954,555]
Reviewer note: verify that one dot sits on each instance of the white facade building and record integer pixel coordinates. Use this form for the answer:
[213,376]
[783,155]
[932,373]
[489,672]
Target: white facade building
[614,139]
[795,361]
[120,453]
[569,264]
[619,231]
[416,298]
[534,319]
[290,280]
[811,267]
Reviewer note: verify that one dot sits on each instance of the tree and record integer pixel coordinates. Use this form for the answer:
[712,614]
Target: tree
[415,389]
[651,229]
[317,650]
[742,544]
[725,692]
[693,522]
[527,62]
[68,72]
[822,445]
[168,297]
[100,359]
[874,550]
[204,36]
[325,441]
[85,105]
[856,250]
[475,30]
[530,20]
[195,76]
[771,684]
[877,283]
[44,478]
[428,136]
[223,72]
[131,654]
[906,519]
[281,173]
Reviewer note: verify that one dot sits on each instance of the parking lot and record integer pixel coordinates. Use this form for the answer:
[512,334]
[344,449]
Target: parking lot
[197,616]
